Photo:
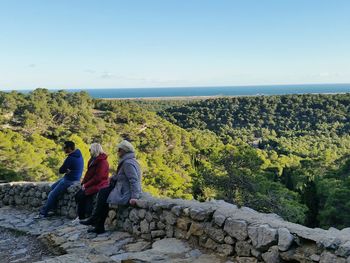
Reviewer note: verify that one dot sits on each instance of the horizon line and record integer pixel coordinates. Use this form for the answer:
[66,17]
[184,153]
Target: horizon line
[190,86]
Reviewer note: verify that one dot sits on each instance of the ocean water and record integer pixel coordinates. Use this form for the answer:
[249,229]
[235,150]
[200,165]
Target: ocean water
[214,91]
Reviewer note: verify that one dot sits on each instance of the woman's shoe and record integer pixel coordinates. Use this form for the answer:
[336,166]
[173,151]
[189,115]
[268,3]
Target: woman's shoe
[96,230]
[87,222]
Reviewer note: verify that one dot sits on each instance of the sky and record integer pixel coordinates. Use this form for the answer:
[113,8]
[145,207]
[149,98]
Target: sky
[170,43]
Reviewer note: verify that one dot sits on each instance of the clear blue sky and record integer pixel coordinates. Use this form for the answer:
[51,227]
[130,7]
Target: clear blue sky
[111,44]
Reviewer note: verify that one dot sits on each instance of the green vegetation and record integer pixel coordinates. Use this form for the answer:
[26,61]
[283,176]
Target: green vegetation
[302,140]
[282,154]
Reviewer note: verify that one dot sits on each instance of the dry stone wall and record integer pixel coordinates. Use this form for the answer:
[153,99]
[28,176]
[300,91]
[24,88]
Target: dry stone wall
[33,195]
[239,233]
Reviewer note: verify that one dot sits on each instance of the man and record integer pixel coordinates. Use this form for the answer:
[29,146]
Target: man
[72,169]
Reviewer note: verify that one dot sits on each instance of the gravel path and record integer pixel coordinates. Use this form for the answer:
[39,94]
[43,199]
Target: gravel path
[18,247]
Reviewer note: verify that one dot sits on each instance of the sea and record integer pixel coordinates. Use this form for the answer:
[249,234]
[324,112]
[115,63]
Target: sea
[174,92]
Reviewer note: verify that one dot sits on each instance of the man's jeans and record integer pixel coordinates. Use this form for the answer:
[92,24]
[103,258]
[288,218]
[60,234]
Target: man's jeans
[57,189]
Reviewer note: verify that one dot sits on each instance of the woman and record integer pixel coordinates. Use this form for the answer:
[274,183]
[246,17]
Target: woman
[95,179]
[124,188]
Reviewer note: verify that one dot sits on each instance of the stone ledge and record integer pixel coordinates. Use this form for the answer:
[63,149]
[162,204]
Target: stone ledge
[240,233]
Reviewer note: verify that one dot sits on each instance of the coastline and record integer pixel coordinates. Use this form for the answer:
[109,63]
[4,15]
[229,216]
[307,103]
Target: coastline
[169,98]
[190,98]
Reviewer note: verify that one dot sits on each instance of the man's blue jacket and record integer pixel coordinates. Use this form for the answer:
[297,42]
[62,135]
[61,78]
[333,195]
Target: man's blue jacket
[73,166]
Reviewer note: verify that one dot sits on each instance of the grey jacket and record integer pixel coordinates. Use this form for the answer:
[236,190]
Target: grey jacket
[127,181]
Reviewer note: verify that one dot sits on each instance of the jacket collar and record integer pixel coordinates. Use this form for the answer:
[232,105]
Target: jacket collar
[127,156]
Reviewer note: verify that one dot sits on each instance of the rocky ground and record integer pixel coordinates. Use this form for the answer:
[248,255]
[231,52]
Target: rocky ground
[16,247]
[70,242]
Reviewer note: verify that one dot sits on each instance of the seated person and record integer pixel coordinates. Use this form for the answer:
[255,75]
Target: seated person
[72,169]
[124,187]
[96,178]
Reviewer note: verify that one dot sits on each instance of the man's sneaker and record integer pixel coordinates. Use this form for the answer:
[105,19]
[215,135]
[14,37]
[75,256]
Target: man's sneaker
[51,213]
[39,216]
[75,221]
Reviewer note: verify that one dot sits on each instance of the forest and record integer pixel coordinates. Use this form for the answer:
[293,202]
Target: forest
[287,154]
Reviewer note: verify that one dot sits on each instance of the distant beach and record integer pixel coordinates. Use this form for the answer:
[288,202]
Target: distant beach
[192,93]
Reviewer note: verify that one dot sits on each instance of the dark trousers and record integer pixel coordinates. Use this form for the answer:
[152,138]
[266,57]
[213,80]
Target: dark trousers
[57,190]
[101,209]
[84,204]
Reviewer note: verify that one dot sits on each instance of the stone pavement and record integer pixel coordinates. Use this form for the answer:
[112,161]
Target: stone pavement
[70,242]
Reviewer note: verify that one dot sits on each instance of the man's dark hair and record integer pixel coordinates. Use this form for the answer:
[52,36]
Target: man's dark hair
[69,144]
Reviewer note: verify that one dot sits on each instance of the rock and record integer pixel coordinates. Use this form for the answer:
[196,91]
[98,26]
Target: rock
[183,223]
[157,207]
[272,255]
[152,226]
[262,236]
[236,228]
[127,225]
[158,233]
[204,259]
[138,246]
[344,249]
[196,229]
[136,230]
[99,259]
[199,214]
[186,211]
[178,233]
[146,236]
[327,257]
[255,253]
[133,215]
[229,240]
[219,220]
[72,213]
[169,231]
[73,237]
[142,203]
[315,257]
[144,225]
[176,210]
[225,249]
[19,251]
[171,246]
[243,248]
[142,213]
[161,225]
[112,213]
[211,244]
[215,233]
[169,217]
[149,216]
[285,239]
[329,243]
[246,260]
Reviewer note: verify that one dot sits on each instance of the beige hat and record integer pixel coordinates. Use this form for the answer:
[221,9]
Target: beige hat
[126,146]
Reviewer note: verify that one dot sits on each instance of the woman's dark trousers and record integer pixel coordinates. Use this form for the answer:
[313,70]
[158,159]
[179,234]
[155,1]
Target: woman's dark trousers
[100,212]
[84,203]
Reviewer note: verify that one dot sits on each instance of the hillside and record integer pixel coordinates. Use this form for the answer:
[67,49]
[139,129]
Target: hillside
[301,175]
[305,139]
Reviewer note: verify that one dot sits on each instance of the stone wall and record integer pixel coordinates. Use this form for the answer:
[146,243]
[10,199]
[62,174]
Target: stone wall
[33,196]
[240,233]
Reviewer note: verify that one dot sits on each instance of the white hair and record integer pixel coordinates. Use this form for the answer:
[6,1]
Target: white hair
[126,146]
[96,149]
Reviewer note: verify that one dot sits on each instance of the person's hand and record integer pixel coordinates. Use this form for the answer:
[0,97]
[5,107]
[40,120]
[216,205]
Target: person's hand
[132,201]
[83,187]
[68,171]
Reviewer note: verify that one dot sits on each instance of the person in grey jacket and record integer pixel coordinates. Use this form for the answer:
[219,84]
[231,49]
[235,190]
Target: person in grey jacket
[124,187]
